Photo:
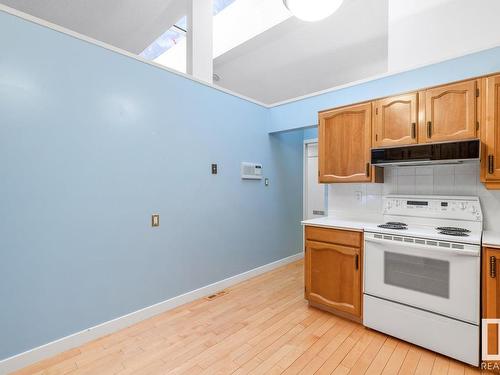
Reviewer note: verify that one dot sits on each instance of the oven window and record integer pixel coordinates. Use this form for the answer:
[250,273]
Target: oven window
[426,275]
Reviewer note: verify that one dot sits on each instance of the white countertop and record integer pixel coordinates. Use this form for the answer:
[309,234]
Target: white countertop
[491,238]
[341,222]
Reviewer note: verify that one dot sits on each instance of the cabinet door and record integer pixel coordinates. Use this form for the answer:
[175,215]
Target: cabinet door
[450,113]
[344,144]
[492,130]
[333,276]
[491,294]
[396,121]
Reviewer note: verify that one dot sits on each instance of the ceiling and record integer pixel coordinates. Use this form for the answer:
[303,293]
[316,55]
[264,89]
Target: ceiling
[292,59]
[296,58]
[127,24]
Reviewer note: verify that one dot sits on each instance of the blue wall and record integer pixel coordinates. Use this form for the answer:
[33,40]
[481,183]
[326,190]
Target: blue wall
[91,144]
[311,133]
[303,113]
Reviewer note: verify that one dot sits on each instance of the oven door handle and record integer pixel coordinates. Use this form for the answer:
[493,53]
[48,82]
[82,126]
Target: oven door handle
[470,253]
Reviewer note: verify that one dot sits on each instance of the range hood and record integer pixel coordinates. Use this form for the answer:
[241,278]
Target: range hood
[434,153]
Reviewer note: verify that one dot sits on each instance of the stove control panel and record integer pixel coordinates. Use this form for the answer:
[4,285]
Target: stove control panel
[460,208]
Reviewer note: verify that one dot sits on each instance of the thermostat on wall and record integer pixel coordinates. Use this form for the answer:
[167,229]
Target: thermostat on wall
[251,171]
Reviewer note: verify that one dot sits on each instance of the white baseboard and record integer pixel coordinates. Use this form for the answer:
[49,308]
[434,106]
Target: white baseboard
[77,339]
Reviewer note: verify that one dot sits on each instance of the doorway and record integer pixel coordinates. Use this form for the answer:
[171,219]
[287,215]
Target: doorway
[314,192]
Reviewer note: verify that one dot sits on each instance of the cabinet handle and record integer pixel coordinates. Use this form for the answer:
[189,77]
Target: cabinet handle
[356,260]
[367,169]
[491,165]
[493,267]
[413,130]
[429,129]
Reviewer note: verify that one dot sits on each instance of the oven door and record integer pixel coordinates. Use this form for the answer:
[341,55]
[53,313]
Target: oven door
[436,279]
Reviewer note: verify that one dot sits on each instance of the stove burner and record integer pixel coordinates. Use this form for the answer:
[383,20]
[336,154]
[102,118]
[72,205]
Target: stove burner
[393,225]
[454,233]
[453,229]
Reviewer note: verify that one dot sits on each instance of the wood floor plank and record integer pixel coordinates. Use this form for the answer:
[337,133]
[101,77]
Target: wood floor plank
[426,363]
[382,357]
[441,366]
[338,356]
[397,358]
[260,326]
[456,369]
[303,330]
[272,336]
[305,351]
[410,363]
[352,357]
[341,370]
[367,357]
[469,370]
[64,357]
[218,351]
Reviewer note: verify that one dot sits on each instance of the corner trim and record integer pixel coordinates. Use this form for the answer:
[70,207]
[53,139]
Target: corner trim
[37,354]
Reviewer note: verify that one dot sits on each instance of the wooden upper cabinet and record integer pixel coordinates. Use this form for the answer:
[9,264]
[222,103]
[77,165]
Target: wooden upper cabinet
[344,144]
[491,133]
[333,277]
[450,113]
[396,121]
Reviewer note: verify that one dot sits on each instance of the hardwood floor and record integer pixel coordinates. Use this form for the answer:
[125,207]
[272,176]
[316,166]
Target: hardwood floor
[261,326]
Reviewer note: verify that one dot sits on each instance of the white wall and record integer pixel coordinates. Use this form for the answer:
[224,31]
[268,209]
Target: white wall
[438,180]
[426,31]
[315,192]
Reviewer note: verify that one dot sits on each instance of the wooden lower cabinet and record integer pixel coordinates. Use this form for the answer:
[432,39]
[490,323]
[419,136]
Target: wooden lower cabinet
[333,271]
[491,294]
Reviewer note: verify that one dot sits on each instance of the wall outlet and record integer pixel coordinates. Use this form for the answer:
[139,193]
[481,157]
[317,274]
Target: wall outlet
[155,220]
[358,195]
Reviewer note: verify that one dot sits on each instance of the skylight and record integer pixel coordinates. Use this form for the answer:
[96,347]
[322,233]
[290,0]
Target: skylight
[167,40]
[235,22]
[173,36]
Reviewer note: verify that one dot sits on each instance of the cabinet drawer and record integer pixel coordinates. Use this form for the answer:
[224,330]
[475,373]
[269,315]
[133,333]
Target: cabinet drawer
[337,236]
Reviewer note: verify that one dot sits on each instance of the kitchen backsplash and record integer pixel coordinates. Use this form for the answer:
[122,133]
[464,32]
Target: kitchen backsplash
[461,179]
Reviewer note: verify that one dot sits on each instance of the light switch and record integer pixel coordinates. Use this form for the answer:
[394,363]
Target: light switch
[358,195]
[266,181]
[155,220]
[214,168]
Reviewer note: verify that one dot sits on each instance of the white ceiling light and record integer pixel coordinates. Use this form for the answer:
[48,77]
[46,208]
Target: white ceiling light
[312,10]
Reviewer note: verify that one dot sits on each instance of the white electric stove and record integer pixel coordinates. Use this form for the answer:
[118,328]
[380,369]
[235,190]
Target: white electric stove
[422,273]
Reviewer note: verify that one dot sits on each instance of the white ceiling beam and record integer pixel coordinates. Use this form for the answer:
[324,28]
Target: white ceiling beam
[200,39]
